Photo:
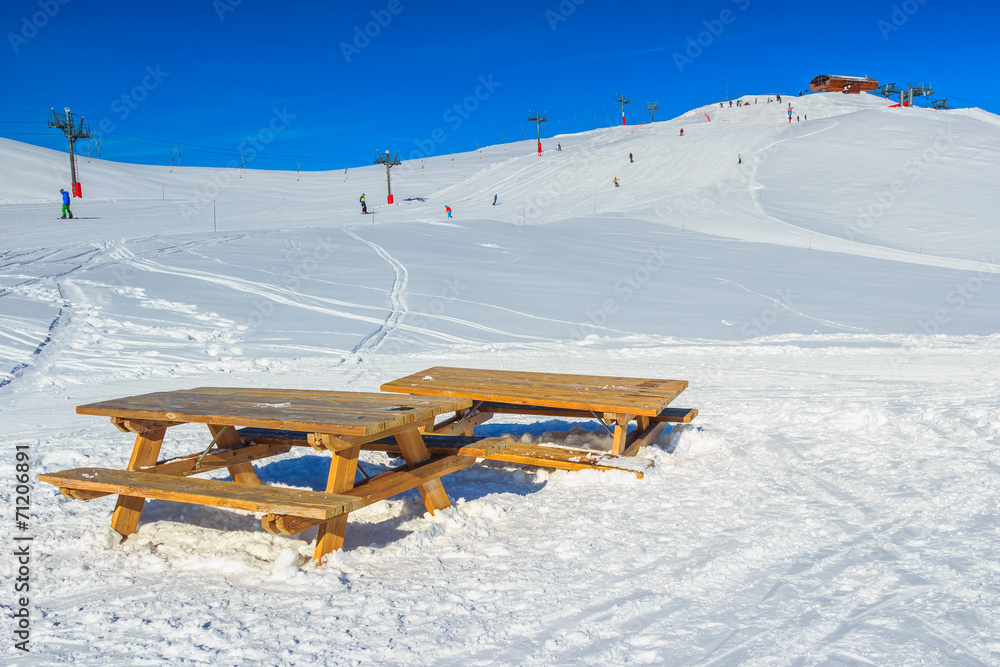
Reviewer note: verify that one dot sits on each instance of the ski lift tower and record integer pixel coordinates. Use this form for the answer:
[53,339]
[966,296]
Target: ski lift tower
[939,104]
[888,90]
[389,164]
[73,131]
[922,89]
[624,100]
[538,120]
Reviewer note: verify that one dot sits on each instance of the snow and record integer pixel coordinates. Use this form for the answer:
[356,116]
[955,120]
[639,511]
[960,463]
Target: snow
[834,502]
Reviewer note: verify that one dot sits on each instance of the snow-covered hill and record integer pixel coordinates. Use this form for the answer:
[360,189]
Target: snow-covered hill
[834,504]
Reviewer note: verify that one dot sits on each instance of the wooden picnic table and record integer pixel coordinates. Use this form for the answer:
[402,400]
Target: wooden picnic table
[614,401]
[340,423]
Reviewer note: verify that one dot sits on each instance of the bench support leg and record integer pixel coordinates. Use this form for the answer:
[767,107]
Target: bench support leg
[242,473]
[125,518]
[414,451]
[343,467]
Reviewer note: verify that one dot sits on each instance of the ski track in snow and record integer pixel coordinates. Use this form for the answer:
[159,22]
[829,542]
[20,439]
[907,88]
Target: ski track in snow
[782,305]
[397,301]
[20,368]
[34,261]
[275,293]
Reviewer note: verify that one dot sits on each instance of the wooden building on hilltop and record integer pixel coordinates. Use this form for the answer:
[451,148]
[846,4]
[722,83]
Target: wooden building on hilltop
[829,83]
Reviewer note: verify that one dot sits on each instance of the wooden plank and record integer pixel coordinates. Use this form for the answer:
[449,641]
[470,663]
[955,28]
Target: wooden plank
[301,438]
[645,396]
[272,436]
[80,494]
[618,443]
[395,482]
[570,459]
[527,379]
[183,466]
[414,452]
[226,437]
[380,487]
[128,509]
[540,410]
[437,446]
[676,415]
[641,422]
[212,492]
[327,441]
[670,415]
[458,424]
[343,467]
[138,426]
[642,438]
[283,524]
[353,413]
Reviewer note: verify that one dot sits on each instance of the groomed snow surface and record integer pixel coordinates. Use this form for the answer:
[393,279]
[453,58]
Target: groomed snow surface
[833,302]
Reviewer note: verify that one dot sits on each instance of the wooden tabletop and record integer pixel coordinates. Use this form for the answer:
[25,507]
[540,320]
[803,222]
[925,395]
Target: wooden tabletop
[600,393]
[336,412]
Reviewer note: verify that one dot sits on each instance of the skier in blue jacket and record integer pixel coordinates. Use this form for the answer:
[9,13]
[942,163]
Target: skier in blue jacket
[65,196]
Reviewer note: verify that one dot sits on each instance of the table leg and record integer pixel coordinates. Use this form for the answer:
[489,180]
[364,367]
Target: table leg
[619,444]
[128,509]
[645,433]
[343,467]
[413,449]
[244,472]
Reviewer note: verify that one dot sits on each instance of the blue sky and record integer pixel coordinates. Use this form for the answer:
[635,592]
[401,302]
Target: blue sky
[325,85]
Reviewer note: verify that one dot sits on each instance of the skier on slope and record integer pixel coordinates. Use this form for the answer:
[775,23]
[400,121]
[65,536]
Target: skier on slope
[739,159]
[364,206]
[65,209]
[494,200]
[682,131]
[616,182]
[630,158]
[448,210]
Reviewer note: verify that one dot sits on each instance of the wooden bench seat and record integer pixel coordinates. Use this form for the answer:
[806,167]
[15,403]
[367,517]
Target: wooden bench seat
[254,498]
[571,459]
[194,464]
[667,415]
[675,415]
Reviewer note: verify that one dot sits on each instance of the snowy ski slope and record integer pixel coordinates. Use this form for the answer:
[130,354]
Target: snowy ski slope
[833,301]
